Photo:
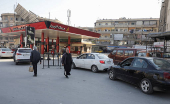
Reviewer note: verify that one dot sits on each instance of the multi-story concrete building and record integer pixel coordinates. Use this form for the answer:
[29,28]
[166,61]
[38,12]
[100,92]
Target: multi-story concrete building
[126,32]
[164,24]
[9,19]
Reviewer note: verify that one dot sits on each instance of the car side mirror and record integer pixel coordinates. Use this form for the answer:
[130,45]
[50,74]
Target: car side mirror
[77,58]
[118,63]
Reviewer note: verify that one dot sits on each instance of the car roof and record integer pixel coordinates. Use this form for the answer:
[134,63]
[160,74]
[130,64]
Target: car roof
[128,49]
[24,48]
[148,58]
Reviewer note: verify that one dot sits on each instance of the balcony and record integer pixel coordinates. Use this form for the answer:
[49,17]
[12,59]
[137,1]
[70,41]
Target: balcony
[103,38]
[114,32]
[125,25]
[3,20]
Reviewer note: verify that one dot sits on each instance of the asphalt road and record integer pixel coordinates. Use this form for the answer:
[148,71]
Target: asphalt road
[18,86]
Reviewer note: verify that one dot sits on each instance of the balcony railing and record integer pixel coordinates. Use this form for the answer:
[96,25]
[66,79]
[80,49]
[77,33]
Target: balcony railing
[103,38]
[125,32]
[126,25]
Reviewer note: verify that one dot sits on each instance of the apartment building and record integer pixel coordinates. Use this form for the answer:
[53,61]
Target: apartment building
[7,20]
[126,32]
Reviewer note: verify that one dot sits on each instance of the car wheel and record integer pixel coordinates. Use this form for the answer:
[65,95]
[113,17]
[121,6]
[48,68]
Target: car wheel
[73,66]
[112,74]
[16,63]
[94,69]
[146,86]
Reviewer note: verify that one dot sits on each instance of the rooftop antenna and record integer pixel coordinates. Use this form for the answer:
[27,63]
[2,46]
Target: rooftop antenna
[49,15]
[68,15]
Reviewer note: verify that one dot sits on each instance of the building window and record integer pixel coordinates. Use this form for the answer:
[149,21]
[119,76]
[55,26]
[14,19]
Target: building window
[132,23]
[125,30]
[99,23]
[0,38]
[6,18]
[11,24]
[22,19]
[105,30]
[16,19]
[112,30]
[106,23]
[110,35]
[6,38]
[11,18]
[116,29]
[105,36]
[121,29]
[99,30]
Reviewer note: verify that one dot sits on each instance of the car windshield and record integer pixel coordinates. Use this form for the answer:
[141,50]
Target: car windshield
[160,63]
[24,50]
[141,54]
[6,49]
[101,56]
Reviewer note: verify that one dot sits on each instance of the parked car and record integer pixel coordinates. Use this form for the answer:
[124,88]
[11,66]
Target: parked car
[94,61]
[150,53]
[150,73]
[120,54]
[22,55]
[6,52]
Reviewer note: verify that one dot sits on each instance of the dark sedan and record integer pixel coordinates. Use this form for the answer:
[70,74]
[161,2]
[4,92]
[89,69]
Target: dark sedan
[151,74]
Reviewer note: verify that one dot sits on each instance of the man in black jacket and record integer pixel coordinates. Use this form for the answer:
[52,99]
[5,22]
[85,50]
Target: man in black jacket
[67,62]
[34,59]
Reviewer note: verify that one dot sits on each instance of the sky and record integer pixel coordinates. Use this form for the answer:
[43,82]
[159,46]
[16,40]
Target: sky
[84,13]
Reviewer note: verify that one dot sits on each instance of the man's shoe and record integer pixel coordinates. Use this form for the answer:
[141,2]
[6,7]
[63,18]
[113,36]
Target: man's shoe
[69,74]
[34,75]
[66,76]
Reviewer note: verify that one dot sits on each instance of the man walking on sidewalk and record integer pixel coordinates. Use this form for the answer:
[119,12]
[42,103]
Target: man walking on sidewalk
[67,62]
[34,59]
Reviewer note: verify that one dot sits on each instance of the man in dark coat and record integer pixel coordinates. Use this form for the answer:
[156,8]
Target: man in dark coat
[67,62]
[34,59]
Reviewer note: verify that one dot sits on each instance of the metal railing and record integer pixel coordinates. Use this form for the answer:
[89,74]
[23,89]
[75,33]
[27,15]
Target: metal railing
[50,59]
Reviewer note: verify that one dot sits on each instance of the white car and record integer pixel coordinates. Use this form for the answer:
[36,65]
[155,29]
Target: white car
[94,61]
[6,52]
[22,55]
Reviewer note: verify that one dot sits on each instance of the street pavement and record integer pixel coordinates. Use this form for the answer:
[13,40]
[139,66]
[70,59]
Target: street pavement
[18,86]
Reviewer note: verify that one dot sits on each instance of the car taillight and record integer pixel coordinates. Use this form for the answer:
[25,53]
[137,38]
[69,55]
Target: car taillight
[12,52]
[3,52]
[102,62]
[19,54]
[166,76]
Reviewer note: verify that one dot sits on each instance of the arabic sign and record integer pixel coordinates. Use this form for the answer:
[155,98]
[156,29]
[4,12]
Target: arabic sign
[30,31]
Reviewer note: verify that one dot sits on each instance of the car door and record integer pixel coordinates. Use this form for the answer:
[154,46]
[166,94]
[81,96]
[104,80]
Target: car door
[136,70]
[88,62]
[119,57]
[124,66]
[80,61]
[112,55]
[0,51]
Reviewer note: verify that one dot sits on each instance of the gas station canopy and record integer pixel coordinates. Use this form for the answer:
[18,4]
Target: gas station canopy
[51,30]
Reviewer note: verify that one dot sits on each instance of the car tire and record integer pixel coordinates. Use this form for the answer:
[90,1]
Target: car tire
[146,86]
[112,74]
[94,69]
[73,66]
[16,63]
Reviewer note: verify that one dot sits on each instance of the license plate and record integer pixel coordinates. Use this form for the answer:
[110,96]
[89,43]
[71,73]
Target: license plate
[25,55]
[109,62]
